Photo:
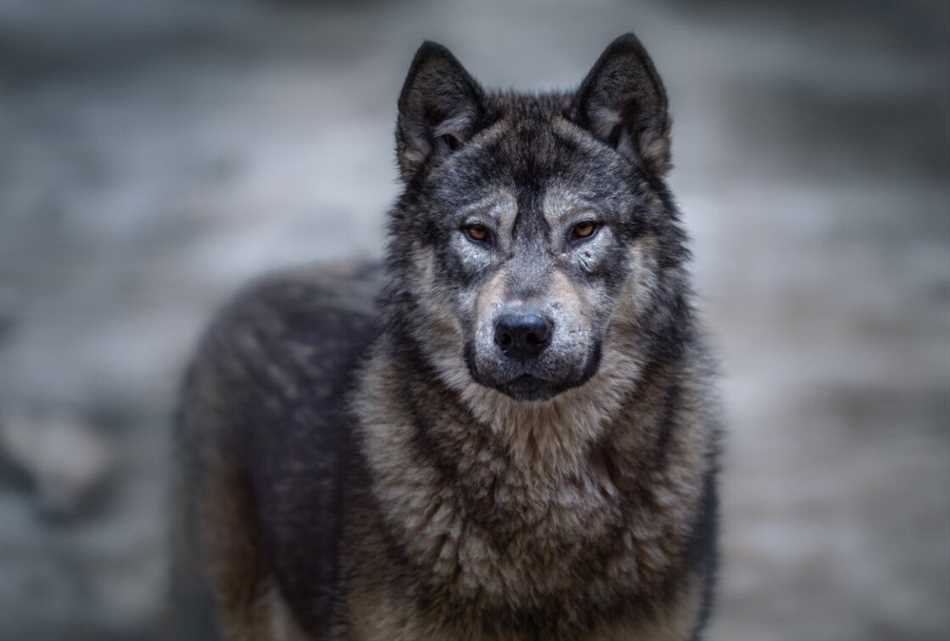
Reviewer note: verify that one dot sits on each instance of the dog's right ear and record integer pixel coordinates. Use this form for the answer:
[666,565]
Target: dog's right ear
[439,107]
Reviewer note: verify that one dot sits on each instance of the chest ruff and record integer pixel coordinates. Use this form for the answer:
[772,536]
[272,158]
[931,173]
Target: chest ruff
[497,537]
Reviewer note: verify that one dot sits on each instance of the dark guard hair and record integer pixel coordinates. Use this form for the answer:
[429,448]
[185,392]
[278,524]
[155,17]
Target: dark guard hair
[640,423]
[366,458]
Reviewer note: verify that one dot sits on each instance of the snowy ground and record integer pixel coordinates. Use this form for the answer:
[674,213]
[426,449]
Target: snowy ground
[154,155]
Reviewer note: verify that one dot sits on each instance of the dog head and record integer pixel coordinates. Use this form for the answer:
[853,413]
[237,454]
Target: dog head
[534,230]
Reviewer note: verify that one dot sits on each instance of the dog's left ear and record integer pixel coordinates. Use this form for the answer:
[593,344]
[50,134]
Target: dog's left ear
[439,108]
[623,103]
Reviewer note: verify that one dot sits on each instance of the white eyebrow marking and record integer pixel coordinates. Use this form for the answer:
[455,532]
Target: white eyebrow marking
[500,206]
[560,205]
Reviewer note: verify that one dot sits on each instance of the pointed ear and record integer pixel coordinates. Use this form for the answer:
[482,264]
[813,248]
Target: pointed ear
[623,103]
[439,107]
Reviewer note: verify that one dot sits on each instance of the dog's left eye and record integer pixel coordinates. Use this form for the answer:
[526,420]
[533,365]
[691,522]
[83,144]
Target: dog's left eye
[583,230]
[477,233]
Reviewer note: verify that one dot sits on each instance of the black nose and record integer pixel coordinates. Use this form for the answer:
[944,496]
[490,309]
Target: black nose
[522,335]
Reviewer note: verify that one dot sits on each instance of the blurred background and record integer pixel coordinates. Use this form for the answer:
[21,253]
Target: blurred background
[154,155]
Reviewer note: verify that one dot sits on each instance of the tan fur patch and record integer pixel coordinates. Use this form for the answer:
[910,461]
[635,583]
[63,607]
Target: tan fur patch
[283,627]
[490,295]
[232,557]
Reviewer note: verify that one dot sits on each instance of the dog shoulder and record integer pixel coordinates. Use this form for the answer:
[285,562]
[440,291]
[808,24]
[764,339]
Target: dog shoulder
[264,436]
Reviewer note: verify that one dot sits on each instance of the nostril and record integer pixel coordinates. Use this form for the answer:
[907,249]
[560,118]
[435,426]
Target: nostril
[522,334]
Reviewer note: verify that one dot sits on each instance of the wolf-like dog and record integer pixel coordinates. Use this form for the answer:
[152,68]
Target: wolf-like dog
[508,431]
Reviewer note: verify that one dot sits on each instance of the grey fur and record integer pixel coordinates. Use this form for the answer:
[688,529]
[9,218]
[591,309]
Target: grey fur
[363,471]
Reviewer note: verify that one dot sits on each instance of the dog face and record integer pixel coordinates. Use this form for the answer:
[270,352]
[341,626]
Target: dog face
[529,231]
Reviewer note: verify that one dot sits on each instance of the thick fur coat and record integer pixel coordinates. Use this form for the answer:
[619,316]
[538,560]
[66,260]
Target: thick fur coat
[508,431]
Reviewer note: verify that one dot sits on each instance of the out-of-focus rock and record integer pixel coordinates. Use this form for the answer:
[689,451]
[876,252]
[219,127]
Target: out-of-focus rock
[65,459]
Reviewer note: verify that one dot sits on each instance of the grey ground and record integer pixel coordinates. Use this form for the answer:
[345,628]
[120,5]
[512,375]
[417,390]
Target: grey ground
[154,155]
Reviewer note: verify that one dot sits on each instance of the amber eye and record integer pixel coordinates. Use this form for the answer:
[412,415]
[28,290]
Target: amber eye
[584,230]
[478,233]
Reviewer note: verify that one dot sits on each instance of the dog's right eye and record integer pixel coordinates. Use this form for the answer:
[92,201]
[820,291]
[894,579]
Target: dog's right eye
[477,233]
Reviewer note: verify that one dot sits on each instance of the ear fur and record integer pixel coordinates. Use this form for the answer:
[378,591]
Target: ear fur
[623,103]
[439,108]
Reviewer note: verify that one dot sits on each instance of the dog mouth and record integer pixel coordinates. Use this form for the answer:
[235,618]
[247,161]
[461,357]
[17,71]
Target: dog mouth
[530,388]
[529,382]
